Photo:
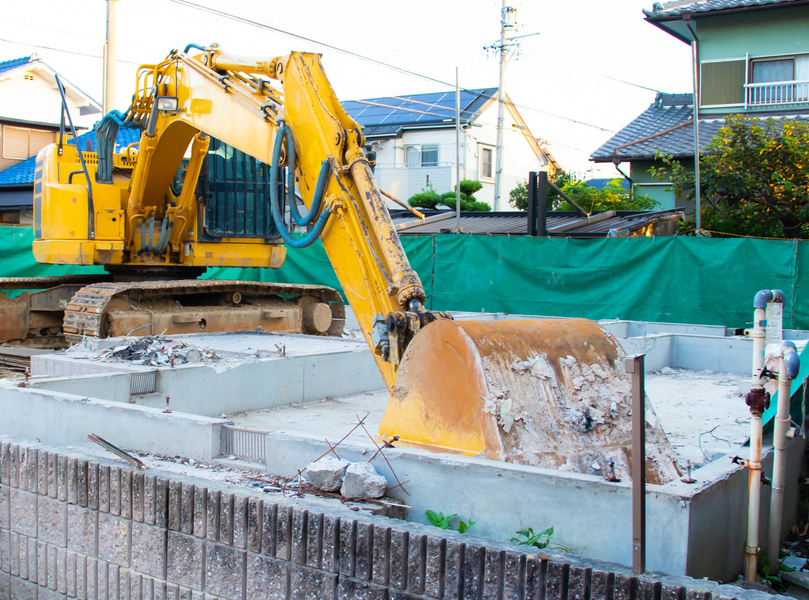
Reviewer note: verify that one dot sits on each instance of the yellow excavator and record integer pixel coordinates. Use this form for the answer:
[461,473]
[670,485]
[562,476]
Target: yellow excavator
[549,393]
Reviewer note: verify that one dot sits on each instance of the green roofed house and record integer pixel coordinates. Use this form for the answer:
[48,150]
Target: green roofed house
[752,58]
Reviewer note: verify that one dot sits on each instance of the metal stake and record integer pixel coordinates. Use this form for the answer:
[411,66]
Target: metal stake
[634,366]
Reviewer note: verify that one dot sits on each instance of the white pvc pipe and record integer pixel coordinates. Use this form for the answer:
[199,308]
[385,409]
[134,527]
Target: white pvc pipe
[754,464]
[781,434]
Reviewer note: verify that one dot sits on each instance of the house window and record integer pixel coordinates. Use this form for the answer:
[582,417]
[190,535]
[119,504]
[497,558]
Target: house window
[21,144]
[413,156]
[723,82]
[486,171]
[429,156]
[769,71]
[779,81]
[422,156]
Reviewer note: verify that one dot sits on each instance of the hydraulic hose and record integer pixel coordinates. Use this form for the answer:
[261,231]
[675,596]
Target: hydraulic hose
[197,46]
[275,199]
[320,187]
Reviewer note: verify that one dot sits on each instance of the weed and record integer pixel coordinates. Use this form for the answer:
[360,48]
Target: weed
[439,520]
[527,537]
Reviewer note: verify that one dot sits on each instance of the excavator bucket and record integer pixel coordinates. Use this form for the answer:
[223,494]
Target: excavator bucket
[549,393]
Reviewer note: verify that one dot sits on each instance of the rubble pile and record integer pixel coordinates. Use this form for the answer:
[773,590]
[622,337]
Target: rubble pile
[157,351]
[354,480]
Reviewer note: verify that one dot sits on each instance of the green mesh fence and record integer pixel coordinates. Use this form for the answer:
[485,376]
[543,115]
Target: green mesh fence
[673,279]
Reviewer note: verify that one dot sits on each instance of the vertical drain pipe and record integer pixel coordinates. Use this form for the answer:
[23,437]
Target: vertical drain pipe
[788,368]
[758,400]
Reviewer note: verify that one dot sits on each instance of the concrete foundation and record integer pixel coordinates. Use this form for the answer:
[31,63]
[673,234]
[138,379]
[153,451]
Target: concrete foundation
[692,529]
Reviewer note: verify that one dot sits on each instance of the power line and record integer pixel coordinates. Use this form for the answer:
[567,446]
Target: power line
[362,57]
[580,68]
[62,50]
[86,37]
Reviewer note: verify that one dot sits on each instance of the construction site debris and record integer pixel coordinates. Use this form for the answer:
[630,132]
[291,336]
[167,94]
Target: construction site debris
[18,359]
[135,462]
[157,351]
[326,474]
[362,481]
[566,414]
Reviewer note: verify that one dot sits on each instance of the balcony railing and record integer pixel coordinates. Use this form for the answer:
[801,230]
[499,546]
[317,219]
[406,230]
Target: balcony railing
[778,93]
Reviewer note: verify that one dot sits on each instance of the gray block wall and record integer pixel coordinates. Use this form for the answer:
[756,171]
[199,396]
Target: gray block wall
[73,526]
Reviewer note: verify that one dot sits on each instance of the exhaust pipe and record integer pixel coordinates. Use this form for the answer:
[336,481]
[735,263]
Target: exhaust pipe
[758,399]
[789,366]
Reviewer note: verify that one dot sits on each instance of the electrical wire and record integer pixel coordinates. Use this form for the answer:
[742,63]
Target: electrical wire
[586,70]
[362,57]
[65,51]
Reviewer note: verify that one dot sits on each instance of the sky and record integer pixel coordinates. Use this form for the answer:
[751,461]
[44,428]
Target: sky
[594,66]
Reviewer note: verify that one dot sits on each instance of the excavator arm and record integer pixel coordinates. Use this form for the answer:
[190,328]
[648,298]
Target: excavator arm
[302,128]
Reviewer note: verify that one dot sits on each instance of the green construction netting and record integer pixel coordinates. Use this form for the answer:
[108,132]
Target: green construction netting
[669,279]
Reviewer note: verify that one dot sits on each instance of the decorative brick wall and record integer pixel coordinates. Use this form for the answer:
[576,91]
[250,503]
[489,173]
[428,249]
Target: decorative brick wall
[77,528]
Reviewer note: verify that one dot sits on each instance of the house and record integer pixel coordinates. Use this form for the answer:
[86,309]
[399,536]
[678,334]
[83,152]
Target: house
[415,143]
[30,114]
[752,59]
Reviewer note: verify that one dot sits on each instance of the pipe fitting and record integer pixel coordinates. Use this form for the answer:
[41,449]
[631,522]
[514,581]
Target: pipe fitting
[791,359]
[758,400]
[765,296]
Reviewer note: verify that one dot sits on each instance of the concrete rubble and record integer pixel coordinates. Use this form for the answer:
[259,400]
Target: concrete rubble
[153,350]
[362,481]
[326,474]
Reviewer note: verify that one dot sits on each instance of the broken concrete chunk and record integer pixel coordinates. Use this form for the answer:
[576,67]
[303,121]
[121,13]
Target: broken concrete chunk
[362,481]
[326,474]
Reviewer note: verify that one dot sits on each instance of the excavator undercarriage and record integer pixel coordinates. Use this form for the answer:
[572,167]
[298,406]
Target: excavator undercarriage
[72,308]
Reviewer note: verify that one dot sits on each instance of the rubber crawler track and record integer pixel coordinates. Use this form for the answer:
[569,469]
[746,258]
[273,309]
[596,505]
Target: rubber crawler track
[85,311]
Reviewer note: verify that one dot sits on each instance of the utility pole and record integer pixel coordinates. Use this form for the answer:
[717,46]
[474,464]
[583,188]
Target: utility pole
[109,60]
[508,20]
[457,153]
[508,23]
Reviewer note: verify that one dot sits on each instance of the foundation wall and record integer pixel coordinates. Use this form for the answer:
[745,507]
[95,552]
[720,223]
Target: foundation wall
[77,527]
[65,419]
[248,385]
[692,529]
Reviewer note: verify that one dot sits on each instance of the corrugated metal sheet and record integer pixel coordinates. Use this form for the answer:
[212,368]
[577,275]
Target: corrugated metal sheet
[567,224]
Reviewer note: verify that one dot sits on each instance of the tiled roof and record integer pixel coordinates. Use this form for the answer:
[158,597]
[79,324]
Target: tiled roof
[9,65]
[559,224]
[678,7]
[668,111]
[386,116]
[23,173]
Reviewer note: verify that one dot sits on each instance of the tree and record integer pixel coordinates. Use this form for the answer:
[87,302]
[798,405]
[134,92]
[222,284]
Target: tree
[518,197]
[429,199]
[612,197]
[754,179]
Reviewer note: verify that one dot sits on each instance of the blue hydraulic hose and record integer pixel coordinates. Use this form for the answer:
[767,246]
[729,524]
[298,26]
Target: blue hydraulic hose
[320,188]
[310,238]
[197,46]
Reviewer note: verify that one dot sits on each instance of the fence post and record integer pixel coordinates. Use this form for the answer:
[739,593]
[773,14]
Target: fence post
[542,202]
[532,203]
[635,366]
